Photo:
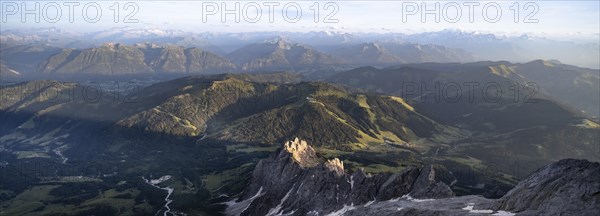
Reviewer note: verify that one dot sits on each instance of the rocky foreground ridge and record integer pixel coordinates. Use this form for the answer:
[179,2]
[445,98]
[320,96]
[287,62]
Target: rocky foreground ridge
[297,181]
[566,187]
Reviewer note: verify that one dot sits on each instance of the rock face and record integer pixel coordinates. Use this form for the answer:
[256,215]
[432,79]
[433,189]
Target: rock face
[295,181]
[454,206]
[567,187]
[428,186]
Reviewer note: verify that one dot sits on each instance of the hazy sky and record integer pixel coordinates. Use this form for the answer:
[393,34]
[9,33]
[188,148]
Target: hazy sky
[545,18]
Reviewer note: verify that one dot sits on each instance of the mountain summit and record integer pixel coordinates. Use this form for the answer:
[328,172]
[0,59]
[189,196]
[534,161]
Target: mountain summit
[280,55]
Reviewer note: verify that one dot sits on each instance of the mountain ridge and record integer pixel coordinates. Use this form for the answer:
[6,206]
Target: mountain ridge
[280,54]
[390,53]
[114,59]
[535,195]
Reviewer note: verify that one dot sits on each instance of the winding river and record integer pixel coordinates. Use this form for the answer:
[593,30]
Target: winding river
[168,200]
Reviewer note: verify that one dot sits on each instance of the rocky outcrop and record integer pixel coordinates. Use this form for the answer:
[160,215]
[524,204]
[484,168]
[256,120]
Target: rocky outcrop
[429,186]
[336,166]
[567,187]
[301,153]
[295,181]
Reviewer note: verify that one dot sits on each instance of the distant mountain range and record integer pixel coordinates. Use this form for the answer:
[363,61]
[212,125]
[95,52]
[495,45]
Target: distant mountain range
[390,53]
[584,53]
[281,55]
[275,55]
[117,59]
[516,48]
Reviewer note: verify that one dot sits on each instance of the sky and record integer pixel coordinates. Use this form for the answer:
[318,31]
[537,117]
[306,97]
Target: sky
[558,19]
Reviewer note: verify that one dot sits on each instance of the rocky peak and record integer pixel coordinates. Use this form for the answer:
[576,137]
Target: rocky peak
[279,41]
[294,181]
[111,45]
[336,166]
[302,153]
